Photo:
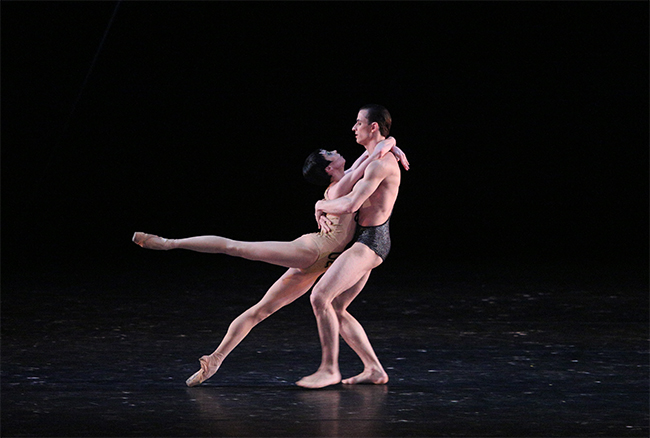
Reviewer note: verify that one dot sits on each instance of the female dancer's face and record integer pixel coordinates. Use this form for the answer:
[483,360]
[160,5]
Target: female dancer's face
[336,159]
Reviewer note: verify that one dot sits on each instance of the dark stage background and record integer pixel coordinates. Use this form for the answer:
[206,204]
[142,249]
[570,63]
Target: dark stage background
[526,125]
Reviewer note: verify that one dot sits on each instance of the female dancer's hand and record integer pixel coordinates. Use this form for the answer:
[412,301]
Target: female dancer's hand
[384,147]
[401,157]
[390,145]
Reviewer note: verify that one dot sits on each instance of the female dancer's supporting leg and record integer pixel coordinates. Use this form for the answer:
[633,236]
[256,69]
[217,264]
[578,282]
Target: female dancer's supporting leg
[293,284]
[299,253]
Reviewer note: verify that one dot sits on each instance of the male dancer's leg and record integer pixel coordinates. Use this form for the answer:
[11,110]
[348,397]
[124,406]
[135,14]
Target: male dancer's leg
[348,269]
[355,336]
[299,253]
[285,290]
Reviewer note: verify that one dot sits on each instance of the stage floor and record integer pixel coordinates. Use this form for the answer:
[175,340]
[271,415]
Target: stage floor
[471,351]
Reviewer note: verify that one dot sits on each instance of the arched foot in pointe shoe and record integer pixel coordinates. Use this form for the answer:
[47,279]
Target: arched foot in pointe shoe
[150,241]
[209,366]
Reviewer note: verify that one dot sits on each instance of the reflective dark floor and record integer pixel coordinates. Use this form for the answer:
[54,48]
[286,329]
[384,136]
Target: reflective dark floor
[471,351]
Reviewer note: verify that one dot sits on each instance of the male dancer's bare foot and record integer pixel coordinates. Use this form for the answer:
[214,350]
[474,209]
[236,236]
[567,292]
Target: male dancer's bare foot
[372,376]
[150,241]
[209,366]
[319,379]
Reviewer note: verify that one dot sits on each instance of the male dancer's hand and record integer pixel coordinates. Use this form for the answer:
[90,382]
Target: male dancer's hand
[322,220]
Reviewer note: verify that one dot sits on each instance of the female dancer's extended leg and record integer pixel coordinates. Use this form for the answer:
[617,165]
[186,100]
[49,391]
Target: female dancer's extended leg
[293,284]
[299,253]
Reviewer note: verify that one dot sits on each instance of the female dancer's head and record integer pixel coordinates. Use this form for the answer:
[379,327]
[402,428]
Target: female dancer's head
[322,167]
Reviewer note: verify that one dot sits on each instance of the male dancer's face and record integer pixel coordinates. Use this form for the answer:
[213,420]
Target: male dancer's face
[362,129]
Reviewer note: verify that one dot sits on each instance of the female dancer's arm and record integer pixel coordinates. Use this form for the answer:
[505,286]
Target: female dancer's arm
[354,174]
[357,163]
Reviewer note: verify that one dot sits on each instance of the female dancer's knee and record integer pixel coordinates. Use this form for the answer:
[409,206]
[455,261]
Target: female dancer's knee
[236,248]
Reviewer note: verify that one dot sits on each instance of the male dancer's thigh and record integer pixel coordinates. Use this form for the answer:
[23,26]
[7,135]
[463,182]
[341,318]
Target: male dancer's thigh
[344,299]
[347,270]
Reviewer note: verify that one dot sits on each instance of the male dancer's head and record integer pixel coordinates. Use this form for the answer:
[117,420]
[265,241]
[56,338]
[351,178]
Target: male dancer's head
[372,125]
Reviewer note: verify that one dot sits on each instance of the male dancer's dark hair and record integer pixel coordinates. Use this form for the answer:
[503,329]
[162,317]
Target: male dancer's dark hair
[379,114]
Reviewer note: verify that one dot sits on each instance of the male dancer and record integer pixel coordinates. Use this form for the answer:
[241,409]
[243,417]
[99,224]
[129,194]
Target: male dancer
[373,197]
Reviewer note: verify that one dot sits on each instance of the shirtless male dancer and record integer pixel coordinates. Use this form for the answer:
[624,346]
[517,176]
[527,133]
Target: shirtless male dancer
[306,257]
[373,197]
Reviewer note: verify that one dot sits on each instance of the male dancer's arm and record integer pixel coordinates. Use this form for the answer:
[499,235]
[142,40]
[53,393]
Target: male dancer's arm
[375,173]
[355,173]
[346,184]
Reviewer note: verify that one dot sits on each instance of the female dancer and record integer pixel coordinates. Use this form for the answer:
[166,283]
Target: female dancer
[307,257]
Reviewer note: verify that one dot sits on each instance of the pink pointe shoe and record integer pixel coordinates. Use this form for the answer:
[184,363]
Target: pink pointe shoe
[208,368]
[150,241]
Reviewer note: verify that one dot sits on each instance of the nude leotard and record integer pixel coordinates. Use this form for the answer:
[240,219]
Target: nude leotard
[331,244]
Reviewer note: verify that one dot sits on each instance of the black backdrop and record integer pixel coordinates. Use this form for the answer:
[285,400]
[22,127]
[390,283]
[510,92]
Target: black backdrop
[526,124]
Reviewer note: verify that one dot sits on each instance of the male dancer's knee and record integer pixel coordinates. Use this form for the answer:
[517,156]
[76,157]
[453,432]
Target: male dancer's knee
[319,300]
[340,308]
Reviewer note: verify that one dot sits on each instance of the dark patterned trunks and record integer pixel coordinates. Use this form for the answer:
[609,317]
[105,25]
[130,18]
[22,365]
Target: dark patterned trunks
[376,238]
